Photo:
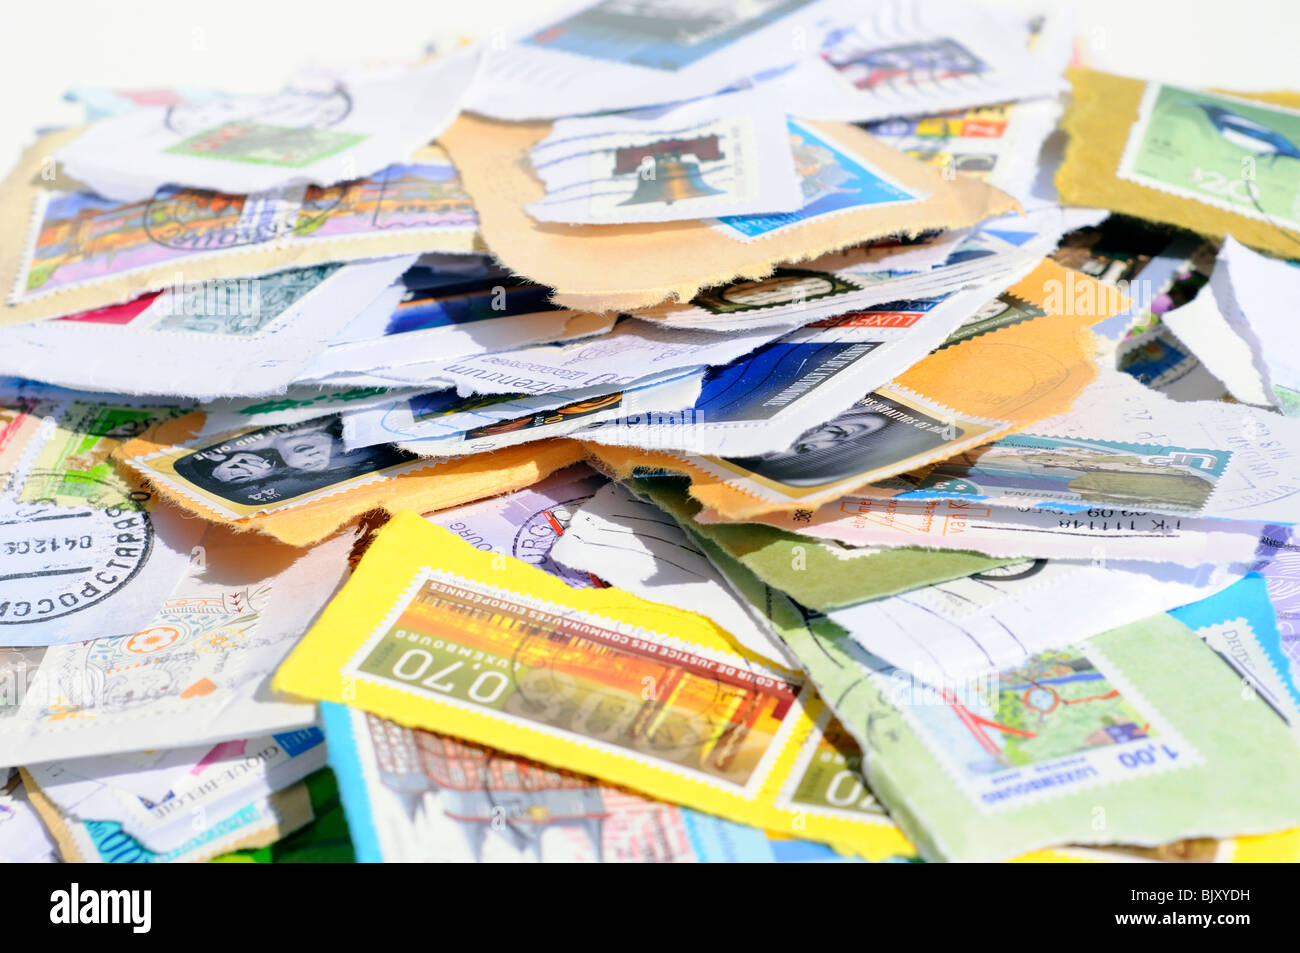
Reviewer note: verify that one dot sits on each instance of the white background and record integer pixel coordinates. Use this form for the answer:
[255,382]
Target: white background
[48,46]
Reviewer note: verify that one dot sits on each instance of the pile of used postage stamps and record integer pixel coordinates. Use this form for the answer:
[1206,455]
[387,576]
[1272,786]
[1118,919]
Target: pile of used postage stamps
[771,430]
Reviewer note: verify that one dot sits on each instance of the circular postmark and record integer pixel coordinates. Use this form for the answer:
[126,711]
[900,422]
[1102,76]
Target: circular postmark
[1012,571]
[201,220]
[783,287]
[300,108]
[538,533]
[56,560]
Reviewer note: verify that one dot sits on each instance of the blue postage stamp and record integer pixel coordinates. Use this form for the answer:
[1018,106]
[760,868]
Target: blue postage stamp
[660,34]
[833,180]
[1074,470]
[1240,624]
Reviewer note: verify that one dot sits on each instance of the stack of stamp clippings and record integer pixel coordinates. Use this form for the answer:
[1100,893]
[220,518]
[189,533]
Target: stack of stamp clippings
[644,437]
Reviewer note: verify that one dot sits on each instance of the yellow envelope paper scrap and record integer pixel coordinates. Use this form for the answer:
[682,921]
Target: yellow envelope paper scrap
[959,397]
[243,479]
[623,267]
[1214,162]
[435,634]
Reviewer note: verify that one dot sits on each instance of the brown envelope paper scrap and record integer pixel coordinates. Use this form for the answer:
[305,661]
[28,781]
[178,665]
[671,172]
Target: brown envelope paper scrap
[623,267]
[63,251]
[1211,161]
[220,489]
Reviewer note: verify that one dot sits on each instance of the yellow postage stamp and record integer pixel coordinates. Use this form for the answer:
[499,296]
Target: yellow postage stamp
[434,633]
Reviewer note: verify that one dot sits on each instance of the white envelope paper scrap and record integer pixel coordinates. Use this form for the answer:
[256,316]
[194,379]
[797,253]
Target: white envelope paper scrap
[333,130]
[726,155]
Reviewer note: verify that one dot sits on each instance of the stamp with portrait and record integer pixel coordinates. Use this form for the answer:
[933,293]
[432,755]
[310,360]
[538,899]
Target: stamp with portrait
[263,469]
[889,431]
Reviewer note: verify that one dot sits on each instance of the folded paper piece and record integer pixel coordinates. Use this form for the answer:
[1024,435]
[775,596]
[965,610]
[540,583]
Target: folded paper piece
[1146,720]
[295,482]
[65,251]
[520,425]
[640,549]
[446,307]
[859,277]
[155,795]
[255,823]
[26,839]
[913,57]
[960,397]
[429,634]
[445,425]
[633,352]
[819,574]
[1202,327]
[727,155]
[336,131]
[1217,163]
[838,665]
[762,403]
[526,523]
[621,267]
[645,54]
[969,628]
[1031,532]
[245,337]
[1254,293]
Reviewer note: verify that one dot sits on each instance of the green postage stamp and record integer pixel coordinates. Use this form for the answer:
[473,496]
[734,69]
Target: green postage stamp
[246,141]
[1235,154]
[1141,736]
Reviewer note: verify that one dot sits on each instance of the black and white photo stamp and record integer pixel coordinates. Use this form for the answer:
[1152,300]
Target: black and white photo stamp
[876,433]
[266,468]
